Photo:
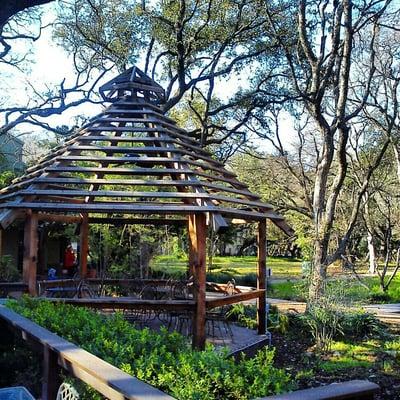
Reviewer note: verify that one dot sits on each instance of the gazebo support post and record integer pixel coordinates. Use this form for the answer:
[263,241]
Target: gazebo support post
[84,246]
[197,243]
[261,276]
[30,252]
[191,249]
[1,241]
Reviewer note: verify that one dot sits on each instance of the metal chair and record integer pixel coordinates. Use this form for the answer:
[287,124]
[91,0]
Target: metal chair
[217,320]
[67,392]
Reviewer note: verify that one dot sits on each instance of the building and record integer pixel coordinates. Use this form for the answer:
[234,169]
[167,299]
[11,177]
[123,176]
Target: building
[11,153]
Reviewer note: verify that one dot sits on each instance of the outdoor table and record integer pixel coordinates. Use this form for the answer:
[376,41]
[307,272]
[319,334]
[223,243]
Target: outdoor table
[15,393]
[61,291]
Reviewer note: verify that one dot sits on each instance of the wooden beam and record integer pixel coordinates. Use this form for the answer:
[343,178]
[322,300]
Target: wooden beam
[30,252]
[350,390]
[159,208]
[197,237]
[191,248]
[142,182]
[68,219]
[261,276]
[235,298]
[84,246]
[7,217]
[136,221]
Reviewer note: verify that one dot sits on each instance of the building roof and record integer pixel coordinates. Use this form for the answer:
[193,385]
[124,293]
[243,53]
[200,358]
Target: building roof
[133,159]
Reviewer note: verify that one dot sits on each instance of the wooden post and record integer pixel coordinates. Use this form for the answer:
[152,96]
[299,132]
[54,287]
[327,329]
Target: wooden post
[261,276]
[1,240]
[197,239]
[51,374]
[191,253]
[30,252]
[84,245]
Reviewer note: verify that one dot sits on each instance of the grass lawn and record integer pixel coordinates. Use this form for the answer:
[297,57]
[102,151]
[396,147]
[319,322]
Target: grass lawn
[239,266]
[286,282]
[347,286]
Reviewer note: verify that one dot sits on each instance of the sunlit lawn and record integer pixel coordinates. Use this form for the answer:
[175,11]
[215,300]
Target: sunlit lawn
[281,267]
[345,286]
[286,282]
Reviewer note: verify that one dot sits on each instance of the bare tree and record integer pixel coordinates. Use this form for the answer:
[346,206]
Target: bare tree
[21,20]
[320,66]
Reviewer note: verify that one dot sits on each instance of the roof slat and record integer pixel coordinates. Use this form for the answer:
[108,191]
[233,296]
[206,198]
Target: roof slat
[166,195]
[143,209]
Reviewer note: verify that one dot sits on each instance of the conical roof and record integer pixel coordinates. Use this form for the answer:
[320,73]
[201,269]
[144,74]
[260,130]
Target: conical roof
[132,159]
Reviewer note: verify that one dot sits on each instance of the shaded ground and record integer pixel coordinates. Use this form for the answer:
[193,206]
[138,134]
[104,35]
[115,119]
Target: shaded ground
[366,360]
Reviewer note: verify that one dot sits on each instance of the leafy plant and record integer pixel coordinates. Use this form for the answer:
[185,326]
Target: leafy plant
[360,324]
[323,318]
[163,359]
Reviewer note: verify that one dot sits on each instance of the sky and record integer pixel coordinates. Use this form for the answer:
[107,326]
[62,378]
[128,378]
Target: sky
[51,64]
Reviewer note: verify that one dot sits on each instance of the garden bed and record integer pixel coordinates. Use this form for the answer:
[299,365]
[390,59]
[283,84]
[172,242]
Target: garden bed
[374,360]
[365,350]
[164,360]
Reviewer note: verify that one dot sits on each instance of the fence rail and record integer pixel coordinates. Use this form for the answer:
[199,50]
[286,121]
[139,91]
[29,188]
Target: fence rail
[351,390]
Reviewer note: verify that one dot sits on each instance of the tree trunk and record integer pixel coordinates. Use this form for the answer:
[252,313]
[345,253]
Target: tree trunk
[318,271]
[371,254]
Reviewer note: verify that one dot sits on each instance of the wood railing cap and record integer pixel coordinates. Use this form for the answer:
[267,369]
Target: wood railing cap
[356,389]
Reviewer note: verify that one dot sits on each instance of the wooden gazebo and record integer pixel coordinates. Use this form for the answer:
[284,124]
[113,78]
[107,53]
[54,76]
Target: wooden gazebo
[132,164]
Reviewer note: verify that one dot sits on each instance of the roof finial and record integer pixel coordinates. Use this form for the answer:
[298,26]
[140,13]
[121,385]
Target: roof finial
[133,84]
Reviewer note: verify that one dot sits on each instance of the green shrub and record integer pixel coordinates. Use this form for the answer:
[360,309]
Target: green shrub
[163,359]
[243,315]
[246,315]
[360,324]
[323,319]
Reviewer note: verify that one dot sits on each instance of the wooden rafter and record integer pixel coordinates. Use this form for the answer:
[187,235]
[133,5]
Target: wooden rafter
[132,151]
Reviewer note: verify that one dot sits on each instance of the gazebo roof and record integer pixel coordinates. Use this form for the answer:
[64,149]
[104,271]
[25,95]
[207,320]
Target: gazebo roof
[132,159]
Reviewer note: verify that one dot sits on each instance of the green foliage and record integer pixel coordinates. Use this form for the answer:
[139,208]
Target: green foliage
[289,290]
[6,177]
[360,324]
[328,320]
[246,315]
[348,355]
[8,270]
[323,319]
[163,359]
[242,269]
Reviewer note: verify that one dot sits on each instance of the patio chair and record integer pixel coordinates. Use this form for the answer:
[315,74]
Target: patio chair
[217,320]
[83,290]
[180,321]
[66,391]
